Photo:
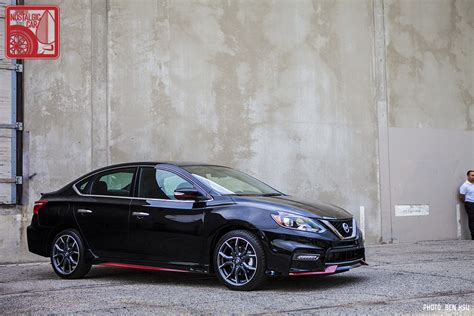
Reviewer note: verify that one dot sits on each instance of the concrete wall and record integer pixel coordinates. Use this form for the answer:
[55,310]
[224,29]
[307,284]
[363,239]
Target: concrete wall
[430,69]
[261,86]
[305,95]
[7,115]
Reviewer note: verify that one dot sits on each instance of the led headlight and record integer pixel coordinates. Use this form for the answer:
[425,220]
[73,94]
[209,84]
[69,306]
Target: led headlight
[293,221]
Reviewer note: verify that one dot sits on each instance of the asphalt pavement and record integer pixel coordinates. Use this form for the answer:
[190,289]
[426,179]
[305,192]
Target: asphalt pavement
[435,277]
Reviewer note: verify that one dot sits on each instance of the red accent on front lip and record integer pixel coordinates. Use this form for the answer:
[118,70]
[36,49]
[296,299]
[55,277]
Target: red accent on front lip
[134,266]
[328,270]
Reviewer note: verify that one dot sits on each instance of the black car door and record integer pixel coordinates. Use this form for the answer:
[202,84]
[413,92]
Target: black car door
[102,212]
[163,228]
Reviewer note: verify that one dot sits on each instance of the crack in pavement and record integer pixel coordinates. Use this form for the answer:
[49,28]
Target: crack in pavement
[60,289]
[418,262]
[423,273]
[377,302]
[80,287]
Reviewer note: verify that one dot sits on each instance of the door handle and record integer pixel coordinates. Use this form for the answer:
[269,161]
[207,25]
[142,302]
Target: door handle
[140,214]
[84,211]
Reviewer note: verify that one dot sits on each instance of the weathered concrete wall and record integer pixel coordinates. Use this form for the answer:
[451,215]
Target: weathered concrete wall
[430,46]
[430,69]
[285,90]
[6,114]
[263,86]
[57,123]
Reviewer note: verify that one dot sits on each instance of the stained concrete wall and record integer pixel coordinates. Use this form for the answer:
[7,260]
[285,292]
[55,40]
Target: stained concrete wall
[6,114]
[282,90]
[288,91]
[430,70]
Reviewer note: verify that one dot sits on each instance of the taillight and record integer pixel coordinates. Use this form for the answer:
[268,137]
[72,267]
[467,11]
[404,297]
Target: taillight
[38,206]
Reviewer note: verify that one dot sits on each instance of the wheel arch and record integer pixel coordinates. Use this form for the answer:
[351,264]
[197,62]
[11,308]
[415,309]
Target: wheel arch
[233,225]
[56,230]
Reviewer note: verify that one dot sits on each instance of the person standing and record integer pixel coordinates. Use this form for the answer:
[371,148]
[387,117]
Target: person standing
[466,192]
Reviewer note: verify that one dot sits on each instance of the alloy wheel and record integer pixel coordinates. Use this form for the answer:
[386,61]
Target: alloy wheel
[66,254]
[237,261]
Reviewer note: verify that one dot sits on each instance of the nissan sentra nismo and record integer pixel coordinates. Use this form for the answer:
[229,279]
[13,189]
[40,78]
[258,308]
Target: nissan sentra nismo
[189,217]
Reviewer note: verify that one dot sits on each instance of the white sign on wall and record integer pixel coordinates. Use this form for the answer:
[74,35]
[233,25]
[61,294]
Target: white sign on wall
[412,210]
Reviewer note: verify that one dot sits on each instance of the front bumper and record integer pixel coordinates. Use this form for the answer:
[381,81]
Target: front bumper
[293,254]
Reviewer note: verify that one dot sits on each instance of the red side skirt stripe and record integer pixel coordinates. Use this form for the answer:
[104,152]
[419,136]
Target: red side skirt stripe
[134,266]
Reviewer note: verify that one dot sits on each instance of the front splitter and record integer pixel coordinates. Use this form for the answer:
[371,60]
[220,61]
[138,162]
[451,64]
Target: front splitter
[328,270]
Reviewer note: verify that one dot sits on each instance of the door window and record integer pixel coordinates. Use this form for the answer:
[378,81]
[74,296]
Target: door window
[83,186]
[160,184]
[114,183]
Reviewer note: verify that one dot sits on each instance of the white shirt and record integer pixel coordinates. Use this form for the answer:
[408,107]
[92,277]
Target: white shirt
[467,188]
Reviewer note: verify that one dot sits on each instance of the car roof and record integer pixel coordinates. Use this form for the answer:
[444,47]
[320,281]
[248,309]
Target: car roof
[154,163]
[133,163]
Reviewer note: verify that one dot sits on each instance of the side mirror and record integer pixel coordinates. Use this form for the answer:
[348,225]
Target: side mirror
[188,194]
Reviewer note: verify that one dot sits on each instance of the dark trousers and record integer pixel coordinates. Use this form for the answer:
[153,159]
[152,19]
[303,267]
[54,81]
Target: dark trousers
[470,216]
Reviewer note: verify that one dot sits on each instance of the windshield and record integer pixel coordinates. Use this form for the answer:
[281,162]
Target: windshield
[229,181]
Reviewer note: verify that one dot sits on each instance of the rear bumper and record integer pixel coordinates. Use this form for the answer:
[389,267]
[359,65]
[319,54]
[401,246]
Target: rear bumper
[38,240]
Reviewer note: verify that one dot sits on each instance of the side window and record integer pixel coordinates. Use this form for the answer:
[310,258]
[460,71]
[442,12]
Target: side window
[160,184]
[114,183]
[83,186]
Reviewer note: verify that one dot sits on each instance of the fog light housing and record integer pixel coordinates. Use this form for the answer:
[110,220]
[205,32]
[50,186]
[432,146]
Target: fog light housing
[306,257]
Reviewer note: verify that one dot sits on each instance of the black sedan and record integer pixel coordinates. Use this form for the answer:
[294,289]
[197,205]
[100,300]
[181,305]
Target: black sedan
[188,217]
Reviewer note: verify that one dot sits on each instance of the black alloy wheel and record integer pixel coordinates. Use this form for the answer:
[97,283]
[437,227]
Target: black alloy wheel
[239,261]
[67,255]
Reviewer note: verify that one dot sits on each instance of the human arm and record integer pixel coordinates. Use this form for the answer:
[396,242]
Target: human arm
[462,193]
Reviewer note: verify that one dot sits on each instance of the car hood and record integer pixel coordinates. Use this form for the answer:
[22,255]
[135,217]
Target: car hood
[292,204]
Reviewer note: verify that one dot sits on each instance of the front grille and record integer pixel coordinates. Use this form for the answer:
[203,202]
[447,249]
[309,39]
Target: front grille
[347,255]
[343,226]
[346,243]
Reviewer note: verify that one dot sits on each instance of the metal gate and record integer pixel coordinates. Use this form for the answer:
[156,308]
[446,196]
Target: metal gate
[10,128]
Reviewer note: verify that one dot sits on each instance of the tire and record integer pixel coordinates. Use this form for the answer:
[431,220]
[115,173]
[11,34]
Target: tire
[67,255]
[242,270]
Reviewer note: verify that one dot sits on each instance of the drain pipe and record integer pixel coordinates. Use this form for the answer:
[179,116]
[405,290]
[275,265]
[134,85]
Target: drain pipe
[19,132]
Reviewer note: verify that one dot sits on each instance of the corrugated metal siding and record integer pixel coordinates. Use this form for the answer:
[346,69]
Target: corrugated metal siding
[5,114]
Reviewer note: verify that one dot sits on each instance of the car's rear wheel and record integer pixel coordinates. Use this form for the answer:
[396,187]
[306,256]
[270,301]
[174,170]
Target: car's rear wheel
[239,261]
[67,255]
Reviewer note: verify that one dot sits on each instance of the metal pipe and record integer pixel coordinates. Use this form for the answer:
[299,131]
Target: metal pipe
[19,132]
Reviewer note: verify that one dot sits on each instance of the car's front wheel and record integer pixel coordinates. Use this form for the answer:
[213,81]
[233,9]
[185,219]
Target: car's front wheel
[239,261]
[67,255]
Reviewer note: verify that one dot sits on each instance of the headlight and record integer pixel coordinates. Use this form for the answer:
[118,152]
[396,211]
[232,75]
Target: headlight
[297,222]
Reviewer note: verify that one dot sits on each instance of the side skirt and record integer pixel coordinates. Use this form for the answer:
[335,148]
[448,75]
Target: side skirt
[135,266]
[152,266]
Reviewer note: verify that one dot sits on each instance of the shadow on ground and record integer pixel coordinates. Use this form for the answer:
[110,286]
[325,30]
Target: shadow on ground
[130,276]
